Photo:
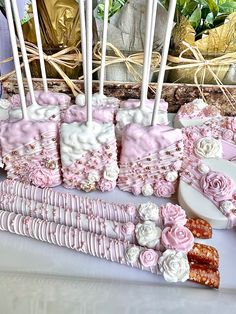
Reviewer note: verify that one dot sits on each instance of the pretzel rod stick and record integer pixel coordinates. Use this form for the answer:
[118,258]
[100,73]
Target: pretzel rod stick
[90,243]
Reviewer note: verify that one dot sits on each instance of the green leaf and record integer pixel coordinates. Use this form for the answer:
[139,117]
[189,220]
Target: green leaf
[189,8]
[210,19]
[195,18]
[228,7]
[213,7]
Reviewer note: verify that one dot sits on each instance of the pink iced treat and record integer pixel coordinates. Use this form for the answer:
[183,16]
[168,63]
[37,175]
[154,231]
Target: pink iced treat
[135,103]
[195,113]
[79,114]
[89,156]
[214,139]
[150,160]
[44,98]
[30,153]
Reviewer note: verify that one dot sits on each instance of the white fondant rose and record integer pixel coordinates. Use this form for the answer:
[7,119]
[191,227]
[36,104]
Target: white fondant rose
[111,172]
[132,254]
[147,190]
[174,266]
[226,207]
[148,234]
[149,211]
[208,147]
[93,176]
[171,176]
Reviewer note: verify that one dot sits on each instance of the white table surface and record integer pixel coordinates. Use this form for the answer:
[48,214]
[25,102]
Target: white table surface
[37,277]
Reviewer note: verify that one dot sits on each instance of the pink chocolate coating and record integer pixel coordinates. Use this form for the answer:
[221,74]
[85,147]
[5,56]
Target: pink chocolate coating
[79,114]
[44,98]
[139,141]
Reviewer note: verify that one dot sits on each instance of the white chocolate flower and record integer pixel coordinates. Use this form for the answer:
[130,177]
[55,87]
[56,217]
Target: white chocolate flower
[174,266]
[147,190]
[111,172]
[149,211]
[226,207]
[93,176]
[208,147]
[148,234]
[132,254]
[171,176]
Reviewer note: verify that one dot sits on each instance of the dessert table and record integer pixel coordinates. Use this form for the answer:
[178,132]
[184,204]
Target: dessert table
[43,278]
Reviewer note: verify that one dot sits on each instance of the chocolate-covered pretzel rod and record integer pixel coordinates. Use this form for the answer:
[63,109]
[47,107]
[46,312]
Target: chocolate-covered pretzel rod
[101,246]
[72,204]
[113,229]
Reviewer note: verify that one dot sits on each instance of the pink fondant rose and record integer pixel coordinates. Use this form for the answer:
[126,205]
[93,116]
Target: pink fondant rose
[173,214]
[106,185]
[148,258]
[217,185]
[127,228]
[227,135]
[177,238]
[231,124]
[41,177]
[164,189]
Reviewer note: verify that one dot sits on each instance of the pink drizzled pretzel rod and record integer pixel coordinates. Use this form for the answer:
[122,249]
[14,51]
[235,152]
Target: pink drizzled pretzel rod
[112,229]
[69,205]
[113,250]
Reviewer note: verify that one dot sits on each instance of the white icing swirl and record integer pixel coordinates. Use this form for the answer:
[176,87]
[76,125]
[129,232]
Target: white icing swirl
[208,147]
[4,104]
[149,211]
[171,176]
[226,207]
[148,234]
[174,266]
[78,138]
[147,190]
[111,172]
[203,168]
[132,254]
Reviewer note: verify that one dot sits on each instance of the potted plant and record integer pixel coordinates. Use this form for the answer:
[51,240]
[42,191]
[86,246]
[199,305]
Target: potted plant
[209,26]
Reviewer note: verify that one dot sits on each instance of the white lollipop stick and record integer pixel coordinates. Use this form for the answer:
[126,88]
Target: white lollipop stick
[83,38]
[154,14]
[23,50]
[144,88]
[89,62]
[39,44]
[171,13]
[16,58]
[104,45]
